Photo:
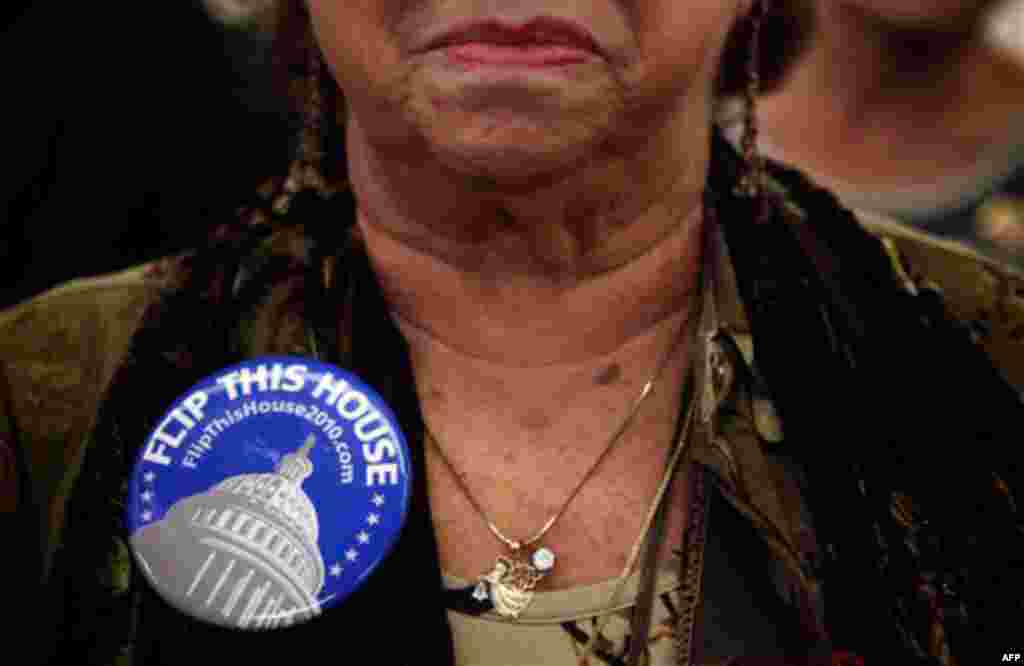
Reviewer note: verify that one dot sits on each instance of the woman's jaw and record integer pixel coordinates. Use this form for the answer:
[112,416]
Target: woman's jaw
[518,92]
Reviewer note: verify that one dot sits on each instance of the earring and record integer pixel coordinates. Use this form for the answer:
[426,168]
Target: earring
[305,174]
[752,182]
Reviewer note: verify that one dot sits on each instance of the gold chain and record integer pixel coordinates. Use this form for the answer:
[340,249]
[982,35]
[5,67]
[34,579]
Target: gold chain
[514,545]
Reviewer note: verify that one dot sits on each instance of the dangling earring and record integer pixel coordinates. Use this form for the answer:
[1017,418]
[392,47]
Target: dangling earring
[305,174]
[752,182]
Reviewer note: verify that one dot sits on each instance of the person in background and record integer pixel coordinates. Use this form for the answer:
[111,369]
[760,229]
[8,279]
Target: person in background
[912,111]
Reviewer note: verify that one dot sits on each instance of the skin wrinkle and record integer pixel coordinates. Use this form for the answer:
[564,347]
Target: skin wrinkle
[483,234]
[395,290]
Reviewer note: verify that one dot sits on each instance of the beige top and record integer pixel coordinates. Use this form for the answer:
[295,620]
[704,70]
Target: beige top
[555,628]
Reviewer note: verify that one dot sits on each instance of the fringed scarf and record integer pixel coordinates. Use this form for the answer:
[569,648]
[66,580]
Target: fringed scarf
[904,428]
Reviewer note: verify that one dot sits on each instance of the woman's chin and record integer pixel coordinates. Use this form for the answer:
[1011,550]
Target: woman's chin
[513,153]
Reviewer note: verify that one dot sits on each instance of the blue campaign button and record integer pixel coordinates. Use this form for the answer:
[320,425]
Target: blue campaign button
[268,493]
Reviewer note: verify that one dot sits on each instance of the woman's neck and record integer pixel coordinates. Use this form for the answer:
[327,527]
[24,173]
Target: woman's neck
[534,317]
[563,273]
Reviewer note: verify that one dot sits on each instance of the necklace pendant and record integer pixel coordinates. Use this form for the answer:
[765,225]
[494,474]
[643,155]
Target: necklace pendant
[510,584]
[543,560]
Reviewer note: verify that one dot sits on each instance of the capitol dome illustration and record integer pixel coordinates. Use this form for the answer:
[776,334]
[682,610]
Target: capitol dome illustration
[244,553]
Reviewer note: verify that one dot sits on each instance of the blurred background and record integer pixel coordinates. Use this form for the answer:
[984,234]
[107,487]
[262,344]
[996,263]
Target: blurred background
[125,124]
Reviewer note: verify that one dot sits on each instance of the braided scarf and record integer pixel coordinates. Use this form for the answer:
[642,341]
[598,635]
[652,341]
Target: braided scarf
[923,546]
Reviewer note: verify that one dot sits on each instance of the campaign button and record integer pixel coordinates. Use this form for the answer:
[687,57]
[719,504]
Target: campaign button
[268,493]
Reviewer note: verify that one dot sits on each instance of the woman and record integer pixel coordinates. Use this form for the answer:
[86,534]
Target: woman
[910,110]
[555,274]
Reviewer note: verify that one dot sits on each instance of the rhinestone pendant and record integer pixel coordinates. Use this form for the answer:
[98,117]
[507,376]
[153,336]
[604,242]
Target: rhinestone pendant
[543,560]
[510,584]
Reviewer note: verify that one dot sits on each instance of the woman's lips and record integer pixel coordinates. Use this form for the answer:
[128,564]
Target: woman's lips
[540,42]
[524,55]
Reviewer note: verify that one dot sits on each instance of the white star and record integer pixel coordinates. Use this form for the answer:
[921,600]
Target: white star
[378,499]
[149,476]
[351,554]
[336,570]
[147,496]
[363,538]
[147,516]
[373,519]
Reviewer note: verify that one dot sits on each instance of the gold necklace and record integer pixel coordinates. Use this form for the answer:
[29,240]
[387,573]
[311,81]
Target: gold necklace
[509,585]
